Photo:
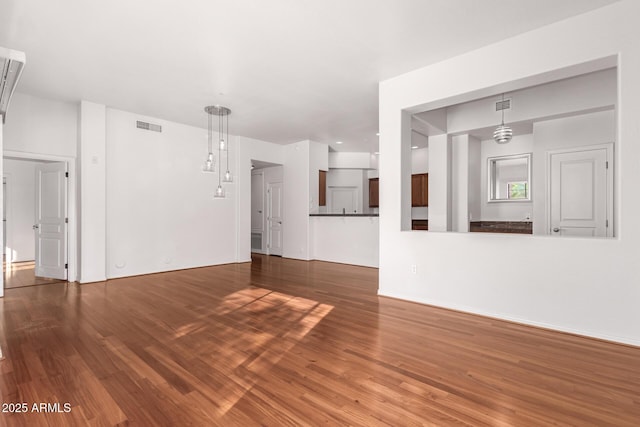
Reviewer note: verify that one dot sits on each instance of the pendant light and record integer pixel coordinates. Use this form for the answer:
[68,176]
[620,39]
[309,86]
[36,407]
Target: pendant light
[221,112]
[210,161]
[503,133]
[227,175]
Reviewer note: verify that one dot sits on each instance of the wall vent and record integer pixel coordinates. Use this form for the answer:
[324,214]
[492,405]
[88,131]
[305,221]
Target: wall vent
[148,126]
[503,105]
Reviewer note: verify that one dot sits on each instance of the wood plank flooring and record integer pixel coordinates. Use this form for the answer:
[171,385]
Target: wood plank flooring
[284,342]
[22,274]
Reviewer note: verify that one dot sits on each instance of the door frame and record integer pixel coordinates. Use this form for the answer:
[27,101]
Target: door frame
[5,186]
[268,225]
[72,226]
[609,147]
[262,231]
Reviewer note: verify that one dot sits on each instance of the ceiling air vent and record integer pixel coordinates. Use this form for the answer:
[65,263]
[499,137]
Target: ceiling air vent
[503,105]
[148,126]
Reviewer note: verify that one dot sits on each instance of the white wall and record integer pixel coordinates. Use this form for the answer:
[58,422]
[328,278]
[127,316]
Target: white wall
[460,183]
[419,164]
[39,125]
[506,211]
[420,160]
[347,178]
[476,180]
[1,200]
[295,223]
[568,132]
[93,187]
[586,286]
[161,213]
[349,160]
[347,240]
[21,194]
[439,183]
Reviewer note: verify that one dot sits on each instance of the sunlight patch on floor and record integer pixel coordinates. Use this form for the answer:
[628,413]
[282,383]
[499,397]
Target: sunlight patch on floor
[259,327]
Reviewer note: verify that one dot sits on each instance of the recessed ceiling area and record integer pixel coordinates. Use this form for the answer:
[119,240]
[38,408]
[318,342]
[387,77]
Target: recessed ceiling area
[290,71]
[585,93]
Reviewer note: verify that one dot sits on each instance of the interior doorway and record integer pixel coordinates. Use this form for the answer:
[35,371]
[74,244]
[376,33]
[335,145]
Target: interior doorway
[35,221]
[274,218]
[266,208]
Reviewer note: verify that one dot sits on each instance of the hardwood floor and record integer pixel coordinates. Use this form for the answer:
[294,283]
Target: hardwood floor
[22,274]
[284,342]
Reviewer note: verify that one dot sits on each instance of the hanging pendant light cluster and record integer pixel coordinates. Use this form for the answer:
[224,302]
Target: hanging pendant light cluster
[223,145]
[503,133]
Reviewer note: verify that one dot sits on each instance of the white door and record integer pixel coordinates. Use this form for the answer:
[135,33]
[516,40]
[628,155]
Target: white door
[274,218]
[50,228]
[581,189]
[257,203]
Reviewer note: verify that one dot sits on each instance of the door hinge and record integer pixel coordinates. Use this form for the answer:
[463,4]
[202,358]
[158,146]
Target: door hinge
[66,220]
[606,164]
[66,174]
[66,266]
[607,223]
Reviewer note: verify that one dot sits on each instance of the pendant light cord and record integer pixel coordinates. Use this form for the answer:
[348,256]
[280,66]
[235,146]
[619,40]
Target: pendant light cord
[219,149]
[227,143]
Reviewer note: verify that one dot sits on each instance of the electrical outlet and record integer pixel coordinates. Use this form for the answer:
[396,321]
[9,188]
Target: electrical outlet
[414,268]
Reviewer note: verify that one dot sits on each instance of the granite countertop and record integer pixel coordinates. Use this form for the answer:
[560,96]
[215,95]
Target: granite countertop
[522,227]
[349,214]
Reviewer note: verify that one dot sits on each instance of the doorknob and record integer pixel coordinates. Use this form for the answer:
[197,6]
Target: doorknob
[35,226]
[555,230]
[280,222]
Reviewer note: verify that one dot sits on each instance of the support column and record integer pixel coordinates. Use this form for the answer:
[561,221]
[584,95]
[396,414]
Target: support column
[93,222]
[440,183]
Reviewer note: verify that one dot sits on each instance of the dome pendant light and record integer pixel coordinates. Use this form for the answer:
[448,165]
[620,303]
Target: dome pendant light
[503,133]
[221,112]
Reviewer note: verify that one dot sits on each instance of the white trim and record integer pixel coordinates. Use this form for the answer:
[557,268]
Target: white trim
[506,317]
[7,216]
[609,147]
[72,247]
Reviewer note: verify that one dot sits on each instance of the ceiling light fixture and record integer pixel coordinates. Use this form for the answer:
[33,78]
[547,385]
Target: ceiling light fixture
[503,133]
[209,165]
[338,142]
[413,147]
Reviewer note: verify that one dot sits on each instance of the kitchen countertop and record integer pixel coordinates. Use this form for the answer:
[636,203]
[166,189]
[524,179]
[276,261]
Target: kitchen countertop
[339,214]
[519,227]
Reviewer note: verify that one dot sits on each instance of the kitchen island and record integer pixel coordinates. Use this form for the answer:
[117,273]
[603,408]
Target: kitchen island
[345,238]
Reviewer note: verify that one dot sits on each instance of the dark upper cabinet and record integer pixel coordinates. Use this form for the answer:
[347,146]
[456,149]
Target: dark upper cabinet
[420,189]
[374,189]
[322,190]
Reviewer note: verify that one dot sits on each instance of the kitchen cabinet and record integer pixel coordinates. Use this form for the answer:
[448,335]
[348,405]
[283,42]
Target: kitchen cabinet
[322,190]
[374,189]
[420,189]
[420,224]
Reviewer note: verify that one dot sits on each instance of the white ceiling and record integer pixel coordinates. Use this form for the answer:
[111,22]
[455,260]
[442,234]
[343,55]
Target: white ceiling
[289,69]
